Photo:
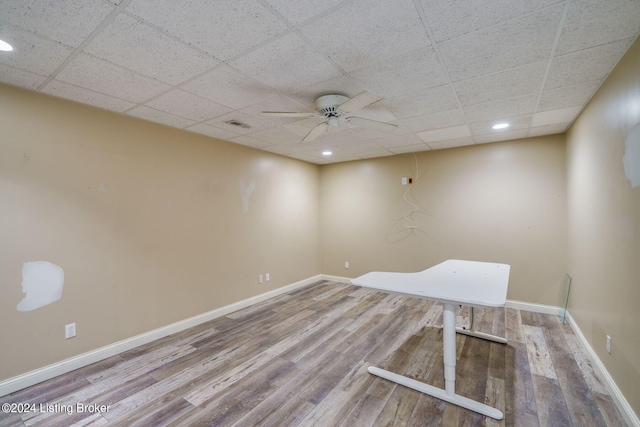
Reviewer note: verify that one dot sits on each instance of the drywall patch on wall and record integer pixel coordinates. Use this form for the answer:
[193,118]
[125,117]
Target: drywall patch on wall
[246,191]
[42,281]
[631,158]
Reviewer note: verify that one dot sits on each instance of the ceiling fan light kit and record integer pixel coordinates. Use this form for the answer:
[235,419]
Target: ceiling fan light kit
[334,108]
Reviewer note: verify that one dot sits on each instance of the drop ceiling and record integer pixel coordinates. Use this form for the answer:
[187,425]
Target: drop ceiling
[447,70]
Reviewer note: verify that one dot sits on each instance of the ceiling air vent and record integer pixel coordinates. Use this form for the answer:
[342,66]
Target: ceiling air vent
[237,123]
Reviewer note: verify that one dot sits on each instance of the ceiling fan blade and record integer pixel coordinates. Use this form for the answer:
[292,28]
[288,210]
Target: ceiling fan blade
[287,114]
[371,124]
[315,132]
[359,101]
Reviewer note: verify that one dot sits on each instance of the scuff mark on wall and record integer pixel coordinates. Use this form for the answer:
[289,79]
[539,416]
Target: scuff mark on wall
[42,281]
[246,193]
[631,158]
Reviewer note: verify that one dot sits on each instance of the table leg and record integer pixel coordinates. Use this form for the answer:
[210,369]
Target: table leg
[449,392]
[473,333]
[449,348]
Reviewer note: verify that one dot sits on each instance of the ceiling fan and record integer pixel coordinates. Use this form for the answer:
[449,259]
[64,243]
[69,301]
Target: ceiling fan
[335,108]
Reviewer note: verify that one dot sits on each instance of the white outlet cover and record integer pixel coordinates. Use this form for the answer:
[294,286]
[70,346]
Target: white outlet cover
[70,330]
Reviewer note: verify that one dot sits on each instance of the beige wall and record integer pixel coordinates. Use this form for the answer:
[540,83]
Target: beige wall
[166,240]
[502,202]
[604,226]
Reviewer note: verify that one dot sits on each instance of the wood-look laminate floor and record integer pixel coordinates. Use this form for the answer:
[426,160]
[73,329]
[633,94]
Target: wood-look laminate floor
[301,359]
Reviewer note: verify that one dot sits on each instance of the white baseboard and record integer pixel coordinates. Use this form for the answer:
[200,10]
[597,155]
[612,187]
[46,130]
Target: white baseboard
[618,398]
[335,278]
[42,374]
[538,308]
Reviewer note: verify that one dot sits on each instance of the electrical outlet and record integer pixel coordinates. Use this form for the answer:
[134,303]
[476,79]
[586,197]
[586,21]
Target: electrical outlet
[70,330]
[259,279]
[404,180]
[266,277]
[608,344]
[346,264]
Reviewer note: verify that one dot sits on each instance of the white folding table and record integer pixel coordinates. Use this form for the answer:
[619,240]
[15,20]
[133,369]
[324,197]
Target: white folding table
[453,282]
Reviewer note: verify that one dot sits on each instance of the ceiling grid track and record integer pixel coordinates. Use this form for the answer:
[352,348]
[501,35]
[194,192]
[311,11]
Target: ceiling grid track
[552,54]
[108,20]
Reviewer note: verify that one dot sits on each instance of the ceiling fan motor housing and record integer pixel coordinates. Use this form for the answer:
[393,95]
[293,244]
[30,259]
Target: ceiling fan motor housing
[327,105]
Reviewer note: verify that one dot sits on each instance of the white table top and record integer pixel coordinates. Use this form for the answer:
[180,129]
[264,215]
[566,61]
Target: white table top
[472,283]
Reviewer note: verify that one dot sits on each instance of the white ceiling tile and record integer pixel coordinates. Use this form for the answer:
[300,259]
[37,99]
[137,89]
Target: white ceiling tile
[486,128]
[372,154]
[303,127]
[132,44]
[375,134]
[412,72]
[398,141]
[365,32]
[340,158]
[592,23]
[436,120]
[277,103]
[32,53]
[449,19]
[229,87]
[342,85]
[461,142]
[562,115]
[286,148]
[549,129]
[282,55]
[503,84]
[17,77]
[338,137]
[568,96]
[586,65]
[86,96]
[187,105]
[275,135]
[299,12]
[513,43]
[432,100]
[409,148]
[307,156]
[255,124]
[65,21]
[505,136]
[361,147]
[498,110]
[249,142]
[377,111]
[221,28]
[158,116]
[286,64]
[455,132]
[95,74]
[212,131]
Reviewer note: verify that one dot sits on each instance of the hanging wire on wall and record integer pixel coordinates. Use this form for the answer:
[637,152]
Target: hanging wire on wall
[409,222]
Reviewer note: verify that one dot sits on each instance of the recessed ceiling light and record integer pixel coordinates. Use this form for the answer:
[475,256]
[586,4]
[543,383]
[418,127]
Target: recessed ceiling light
[501,126]
[327,153]
[5,46]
